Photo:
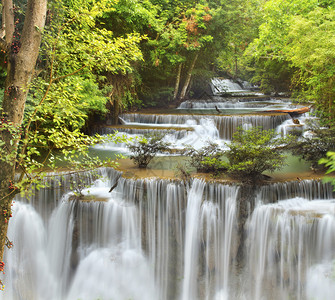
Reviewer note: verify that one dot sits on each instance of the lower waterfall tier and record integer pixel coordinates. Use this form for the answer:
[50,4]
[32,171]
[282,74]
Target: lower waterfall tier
[161,239]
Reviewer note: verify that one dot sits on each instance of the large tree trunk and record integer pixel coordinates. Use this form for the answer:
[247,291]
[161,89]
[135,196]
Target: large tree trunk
[188,77]
[176,88]
[20,67]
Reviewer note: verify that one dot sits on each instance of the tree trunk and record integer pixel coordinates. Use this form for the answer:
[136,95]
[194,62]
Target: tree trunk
[236,67]
[20,67]
[188,77]
[176,88]
[330,95]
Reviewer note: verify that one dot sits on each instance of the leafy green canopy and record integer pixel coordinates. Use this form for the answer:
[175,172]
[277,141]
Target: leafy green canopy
[296,42]
[174,31]
[311,50]
[234,26]
[65,91]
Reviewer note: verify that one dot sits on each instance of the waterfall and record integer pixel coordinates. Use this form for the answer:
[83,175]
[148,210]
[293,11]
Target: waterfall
[26,263]
[259,103]
[192,240]
[225,125]
[307,189]
[220,85]
[286,239]
[162,239]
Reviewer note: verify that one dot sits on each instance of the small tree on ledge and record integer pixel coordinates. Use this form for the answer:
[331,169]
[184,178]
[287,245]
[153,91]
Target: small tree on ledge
[249,154]
[252,152]
[144,149]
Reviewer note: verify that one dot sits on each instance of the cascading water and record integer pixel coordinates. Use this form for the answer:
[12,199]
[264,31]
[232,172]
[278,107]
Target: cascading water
[134,244]
[221,85]
[160,239]
[216,119]
[286,240]
[203,128]
[191,252]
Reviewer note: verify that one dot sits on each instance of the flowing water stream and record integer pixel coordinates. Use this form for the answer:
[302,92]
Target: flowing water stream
[213,118]
[160,239]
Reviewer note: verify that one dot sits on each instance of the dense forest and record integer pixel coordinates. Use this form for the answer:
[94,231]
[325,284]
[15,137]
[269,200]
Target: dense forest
[66,64]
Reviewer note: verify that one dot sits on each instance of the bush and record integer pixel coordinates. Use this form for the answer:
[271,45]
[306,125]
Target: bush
[207,159]
[252,152]
[314,147]
[144,149]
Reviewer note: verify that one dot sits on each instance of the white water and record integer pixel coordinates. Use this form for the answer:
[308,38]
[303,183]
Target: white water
[202,122]
[214,120]
[157,239]
[114,248]
[220,85]
[286,240]
[240,104]
[320,281]
[189,289]
[201,129]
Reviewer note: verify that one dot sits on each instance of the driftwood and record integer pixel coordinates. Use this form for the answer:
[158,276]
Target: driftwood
[292,112]
[219,111]
[115,183]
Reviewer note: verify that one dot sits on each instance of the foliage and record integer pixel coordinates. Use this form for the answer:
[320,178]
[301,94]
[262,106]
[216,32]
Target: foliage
[329,162]
[182,172]
[77,41]
[207,159]
[145,148]
[253,151]
[311,51]
[81,43]
[314,146]
[249,154]
[67,105]
[271,75]
[50,148]
[175,31]
[295,46]
[64,92]
[234,26]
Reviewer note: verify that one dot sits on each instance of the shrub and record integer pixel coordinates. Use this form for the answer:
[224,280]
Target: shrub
[207,159]
[315,146]
[145,148]
[252,152]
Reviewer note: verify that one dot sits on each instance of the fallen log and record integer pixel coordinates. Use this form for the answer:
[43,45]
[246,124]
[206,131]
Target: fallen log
[292,112]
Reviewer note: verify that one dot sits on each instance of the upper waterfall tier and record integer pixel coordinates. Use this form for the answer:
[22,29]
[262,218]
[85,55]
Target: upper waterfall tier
[199,121]
[225,125]
[222,85]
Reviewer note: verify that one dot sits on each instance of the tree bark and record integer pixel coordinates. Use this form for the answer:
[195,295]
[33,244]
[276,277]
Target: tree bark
[20,68]
[176,88]
[188,77]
